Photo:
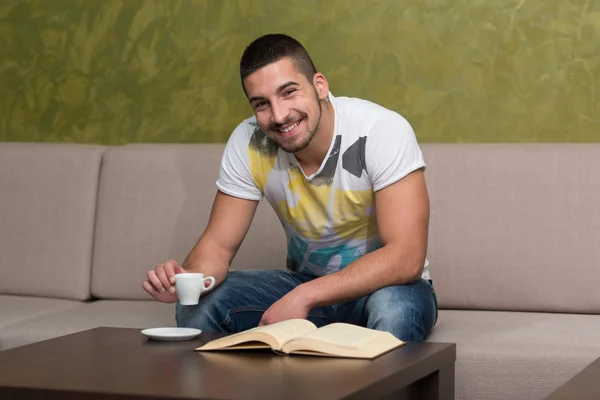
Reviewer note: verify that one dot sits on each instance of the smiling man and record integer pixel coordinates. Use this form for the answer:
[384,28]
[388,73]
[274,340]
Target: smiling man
[345,176]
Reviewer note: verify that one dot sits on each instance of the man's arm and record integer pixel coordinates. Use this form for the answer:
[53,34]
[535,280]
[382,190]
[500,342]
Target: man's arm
[403,222]
[228,224]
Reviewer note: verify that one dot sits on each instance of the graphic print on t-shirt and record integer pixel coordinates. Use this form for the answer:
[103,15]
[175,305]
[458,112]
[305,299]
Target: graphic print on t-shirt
[327,227]
[262,152]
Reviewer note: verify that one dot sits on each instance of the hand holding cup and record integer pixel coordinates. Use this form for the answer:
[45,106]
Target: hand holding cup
[189,286]
[165,286]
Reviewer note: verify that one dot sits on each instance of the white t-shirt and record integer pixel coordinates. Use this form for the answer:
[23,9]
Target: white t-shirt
[328,217]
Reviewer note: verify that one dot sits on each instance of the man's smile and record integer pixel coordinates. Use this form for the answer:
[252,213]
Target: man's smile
[290,130]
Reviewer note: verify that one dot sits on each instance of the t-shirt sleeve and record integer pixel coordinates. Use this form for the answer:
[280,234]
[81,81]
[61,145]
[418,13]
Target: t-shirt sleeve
[235,178]
[391,150]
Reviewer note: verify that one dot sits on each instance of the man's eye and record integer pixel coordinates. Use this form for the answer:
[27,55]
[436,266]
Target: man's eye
[288,92]
[260,104]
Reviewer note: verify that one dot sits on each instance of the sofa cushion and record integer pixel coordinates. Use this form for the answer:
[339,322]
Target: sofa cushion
[15,309]
[48,204]
[88,315]
[515,226]
[153,204]
[516,355]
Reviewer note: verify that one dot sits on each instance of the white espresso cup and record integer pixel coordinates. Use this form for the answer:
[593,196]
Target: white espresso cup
[190,285]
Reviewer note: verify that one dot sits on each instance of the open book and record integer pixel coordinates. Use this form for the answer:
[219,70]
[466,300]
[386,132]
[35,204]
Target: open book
[300,336]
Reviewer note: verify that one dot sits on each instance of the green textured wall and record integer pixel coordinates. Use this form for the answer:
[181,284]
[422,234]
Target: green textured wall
[119,71]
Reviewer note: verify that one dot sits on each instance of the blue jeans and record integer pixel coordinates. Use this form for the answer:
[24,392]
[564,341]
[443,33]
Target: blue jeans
[408,311]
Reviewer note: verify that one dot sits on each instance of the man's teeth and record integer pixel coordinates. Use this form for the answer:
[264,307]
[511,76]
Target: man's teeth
[289,128]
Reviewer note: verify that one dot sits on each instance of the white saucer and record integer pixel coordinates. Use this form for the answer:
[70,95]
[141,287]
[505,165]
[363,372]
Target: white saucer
[171,334]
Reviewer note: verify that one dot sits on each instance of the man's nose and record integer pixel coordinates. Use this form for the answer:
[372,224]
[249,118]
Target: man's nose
[280,113]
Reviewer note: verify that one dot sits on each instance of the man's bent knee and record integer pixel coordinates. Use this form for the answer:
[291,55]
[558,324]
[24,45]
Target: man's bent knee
[206,315]
[406,311]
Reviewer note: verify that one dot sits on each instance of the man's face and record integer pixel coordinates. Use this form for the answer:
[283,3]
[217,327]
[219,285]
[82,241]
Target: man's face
[286,104]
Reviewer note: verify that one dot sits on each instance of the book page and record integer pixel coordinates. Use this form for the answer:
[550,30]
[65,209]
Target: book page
[345,340]
[272,335]
[344,334]
[286,330]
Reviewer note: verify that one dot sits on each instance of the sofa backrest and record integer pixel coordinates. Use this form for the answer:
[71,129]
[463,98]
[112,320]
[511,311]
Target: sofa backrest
[515,226]
[154,203]
[48,202]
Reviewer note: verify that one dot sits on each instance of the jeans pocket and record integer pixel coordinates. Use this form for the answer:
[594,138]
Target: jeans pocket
[242,318]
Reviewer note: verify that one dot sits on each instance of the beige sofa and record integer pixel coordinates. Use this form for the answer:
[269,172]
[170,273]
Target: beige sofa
[514,248]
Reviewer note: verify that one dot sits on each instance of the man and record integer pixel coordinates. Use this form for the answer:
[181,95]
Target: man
[345,176]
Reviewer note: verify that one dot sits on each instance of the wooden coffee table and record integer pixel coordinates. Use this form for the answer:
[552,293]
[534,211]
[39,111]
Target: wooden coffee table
[583,386]
[119,363]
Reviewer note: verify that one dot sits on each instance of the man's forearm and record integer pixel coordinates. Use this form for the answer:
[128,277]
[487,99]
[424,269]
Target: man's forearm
[209,260]
[373,271]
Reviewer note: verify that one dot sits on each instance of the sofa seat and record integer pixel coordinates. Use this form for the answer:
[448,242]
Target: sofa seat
[516,355]
[114,313]
[16,309]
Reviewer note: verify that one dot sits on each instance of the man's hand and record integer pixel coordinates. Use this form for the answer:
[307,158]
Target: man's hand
[290,306]
[161,281]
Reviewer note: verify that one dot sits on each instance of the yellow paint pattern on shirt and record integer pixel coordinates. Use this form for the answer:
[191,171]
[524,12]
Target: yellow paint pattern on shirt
[310,215]
[354,214]
[260,167]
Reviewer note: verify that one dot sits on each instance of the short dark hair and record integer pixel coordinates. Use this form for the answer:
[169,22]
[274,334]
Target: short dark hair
[271,48]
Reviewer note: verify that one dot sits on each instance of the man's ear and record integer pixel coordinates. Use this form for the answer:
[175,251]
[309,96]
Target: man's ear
[320,83]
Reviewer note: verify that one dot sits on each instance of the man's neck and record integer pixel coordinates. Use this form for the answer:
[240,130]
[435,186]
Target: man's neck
[311,158]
